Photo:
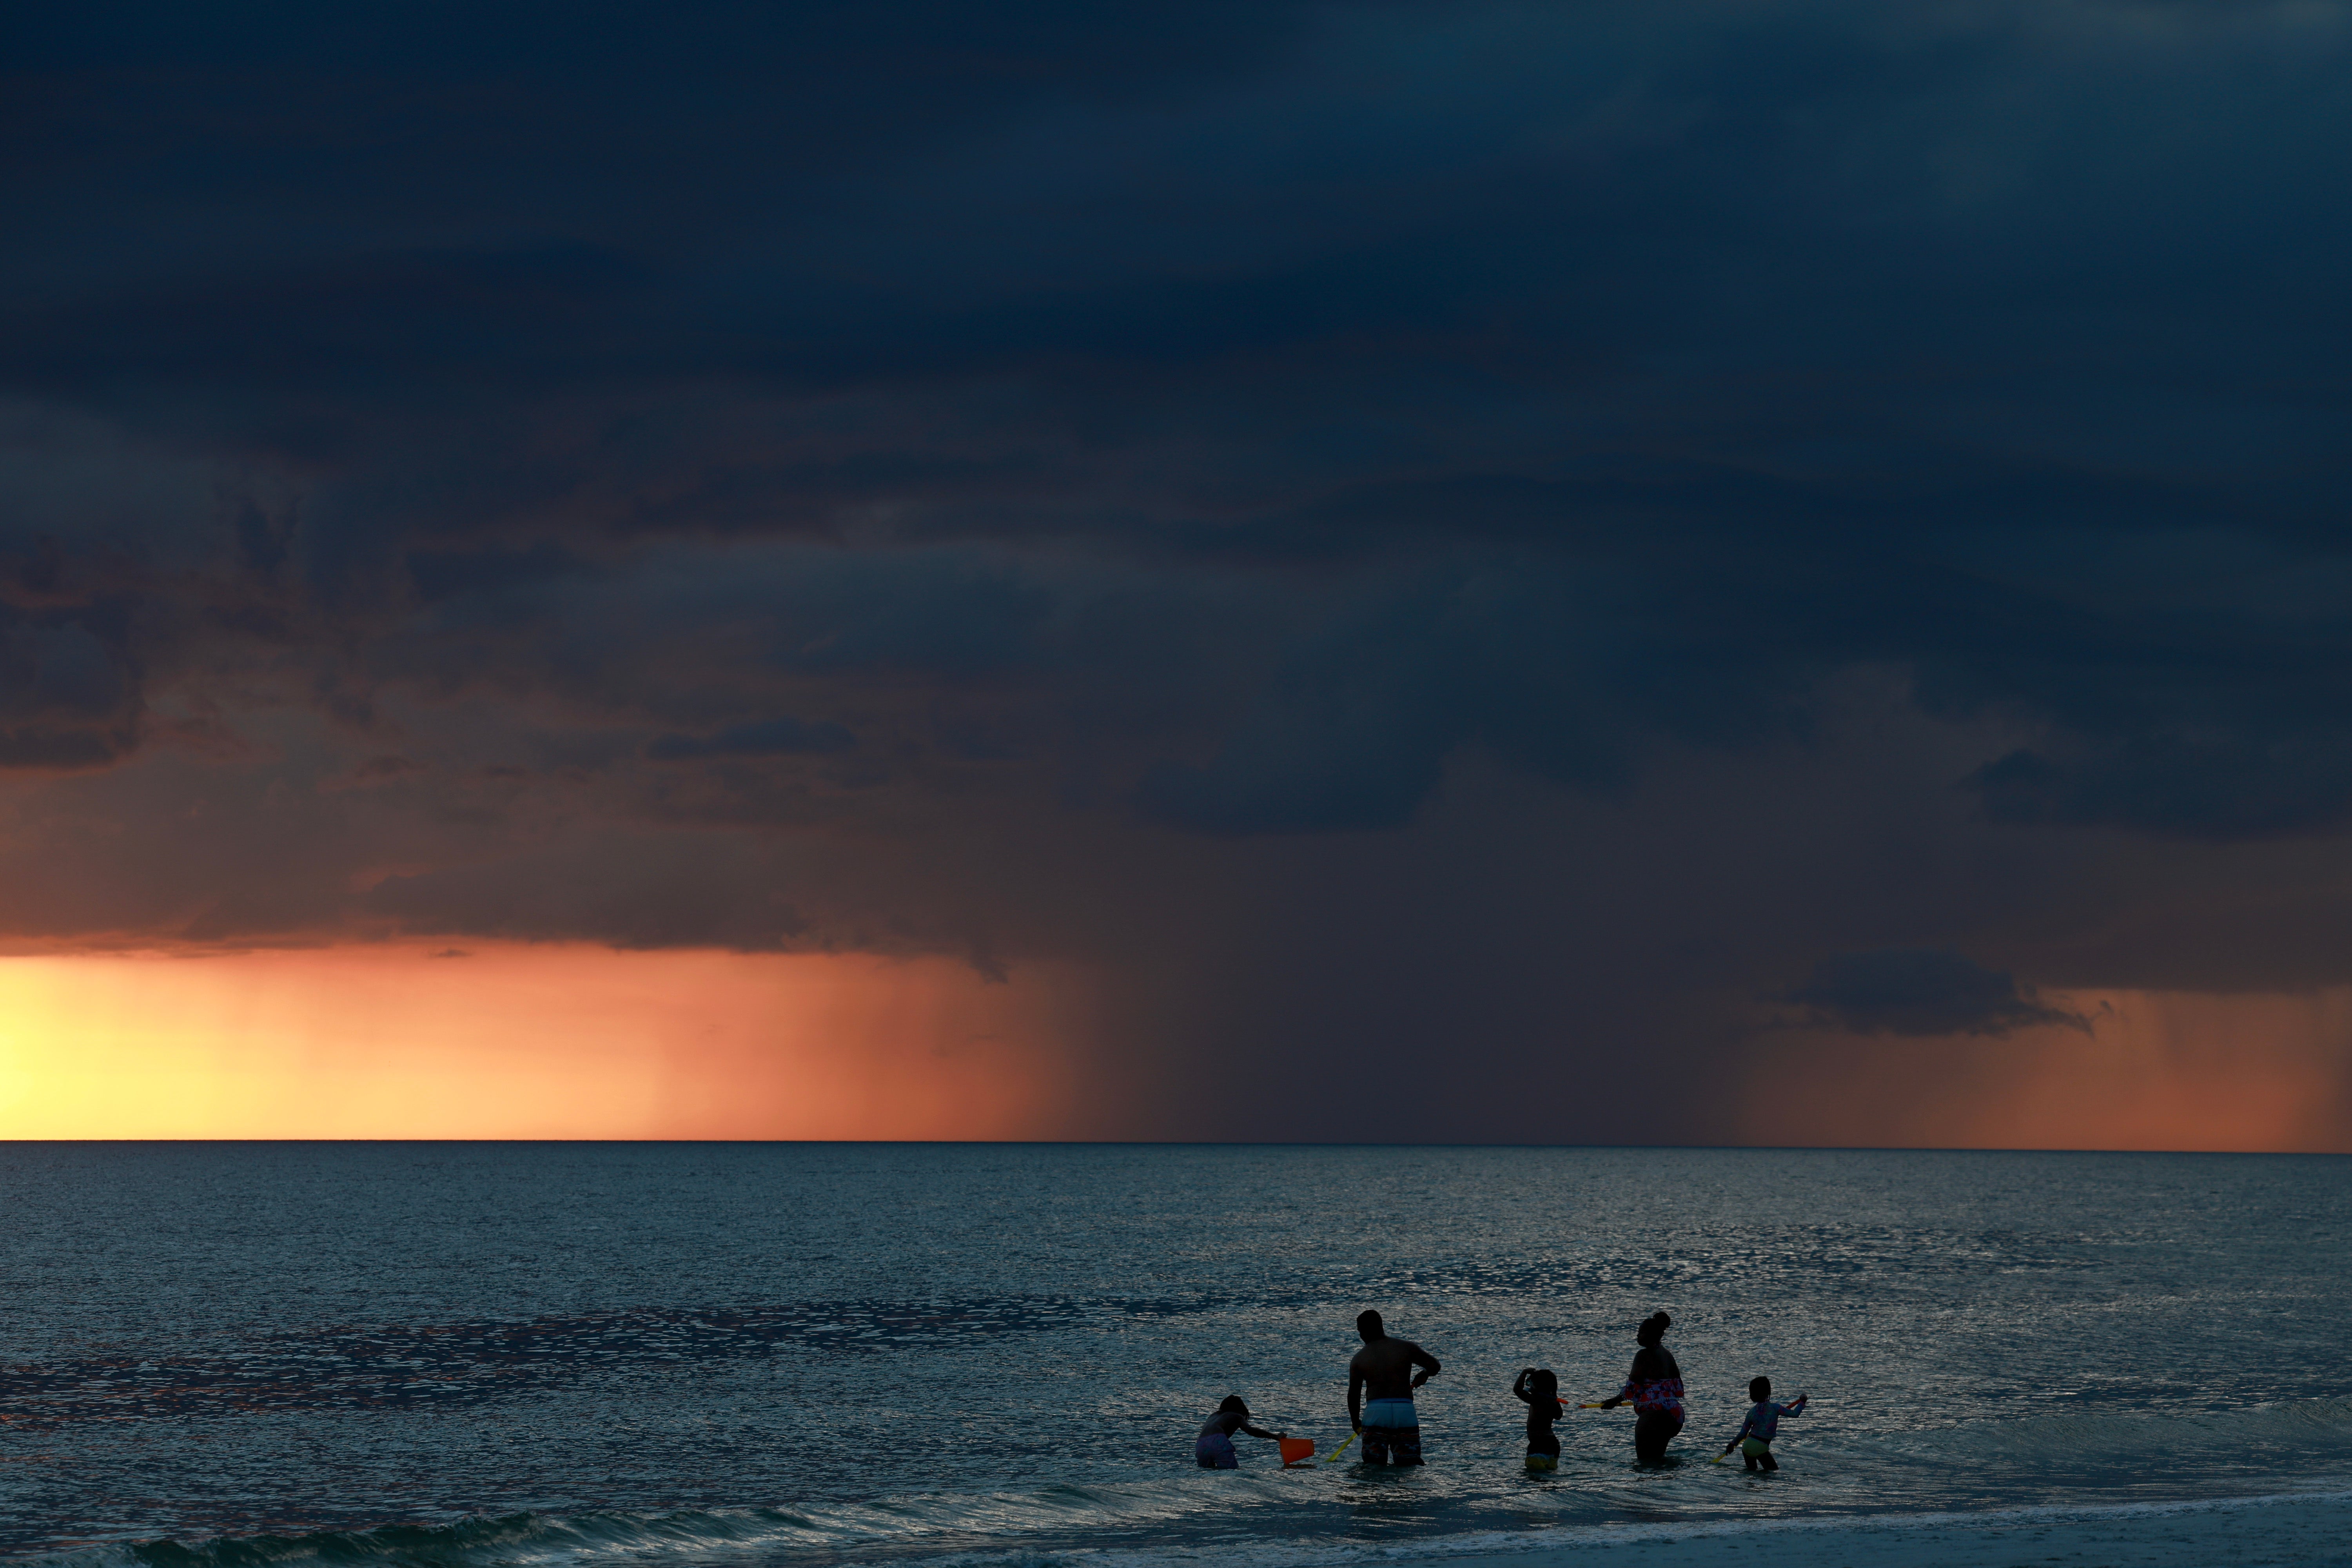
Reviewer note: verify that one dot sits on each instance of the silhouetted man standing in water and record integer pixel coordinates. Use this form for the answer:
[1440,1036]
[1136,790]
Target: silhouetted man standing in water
[1383,1369]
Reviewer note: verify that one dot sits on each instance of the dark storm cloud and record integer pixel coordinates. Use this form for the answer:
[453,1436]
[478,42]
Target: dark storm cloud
[62,698]
[1921,991]
[771,737]
[1046,478]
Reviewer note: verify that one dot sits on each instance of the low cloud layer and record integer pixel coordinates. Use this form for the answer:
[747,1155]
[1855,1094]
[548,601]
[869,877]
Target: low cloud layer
[1921,991]
[1490,535]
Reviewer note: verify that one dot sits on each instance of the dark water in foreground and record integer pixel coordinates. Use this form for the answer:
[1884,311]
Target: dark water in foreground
[488,1354]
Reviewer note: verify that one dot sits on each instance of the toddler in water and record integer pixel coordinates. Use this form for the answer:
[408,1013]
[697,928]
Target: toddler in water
[1215,1448]
[1754,1439]
[1540,1390]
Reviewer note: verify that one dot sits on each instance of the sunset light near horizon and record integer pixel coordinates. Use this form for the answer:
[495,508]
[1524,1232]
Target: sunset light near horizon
[516,1041]
[2256,1073]
[574,1041]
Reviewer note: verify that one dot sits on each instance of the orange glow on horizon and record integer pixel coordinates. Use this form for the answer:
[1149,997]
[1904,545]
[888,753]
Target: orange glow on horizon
[528,1041]
[520,1040]
[2159,1070]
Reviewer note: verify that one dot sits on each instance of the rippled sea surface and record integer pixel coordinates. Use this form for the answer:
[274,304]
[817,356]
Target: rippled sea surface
[499,1353]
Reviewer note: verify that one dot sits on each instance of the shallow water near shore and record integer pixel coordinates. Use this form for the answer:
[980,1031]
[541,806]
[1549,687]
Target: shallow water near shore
[498,1354]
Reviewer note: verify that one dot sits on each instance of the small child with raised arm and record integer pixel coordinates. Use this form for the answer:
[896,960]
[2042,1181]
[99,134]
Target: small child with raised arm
[1539,1391]
[1754,1439]
[1215,1448]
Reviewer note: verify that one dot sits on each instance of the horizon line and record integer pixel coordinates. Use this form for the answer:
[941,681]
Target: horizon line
[1191,1143]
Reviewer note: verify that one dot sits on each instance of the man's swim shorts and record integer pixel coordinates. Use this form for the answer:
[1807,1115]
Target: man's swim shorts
[1392,1432]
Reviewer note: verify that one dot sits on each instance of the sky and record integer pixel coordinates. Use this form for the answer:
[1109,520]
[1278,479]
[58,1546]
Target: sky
[1752,572]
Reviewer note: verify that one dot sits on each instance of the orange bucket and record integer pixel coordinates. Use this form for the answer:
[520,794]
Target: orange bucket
[1297,1450]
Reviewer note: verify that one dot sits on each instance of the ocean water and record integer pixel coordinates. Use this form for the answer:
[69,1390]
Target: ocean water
[475,1354]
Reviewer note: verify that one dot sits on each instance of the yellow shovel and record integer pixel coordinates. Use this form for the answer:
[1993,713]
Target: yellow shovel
[1342,1449]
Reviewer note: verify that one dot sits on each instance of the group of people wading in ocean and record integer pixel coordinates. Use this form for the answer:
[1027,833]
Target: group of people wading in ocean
[1384,1374]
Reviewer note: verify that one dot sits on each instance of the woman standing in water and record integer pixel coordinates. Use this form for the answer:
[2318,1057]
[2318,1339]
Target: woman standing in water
[1655,1387]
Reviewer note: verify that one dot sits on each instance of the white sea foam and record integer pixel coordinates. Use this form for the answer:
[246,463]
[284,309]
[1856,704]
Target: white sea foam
[909,1531]
[2218,1529]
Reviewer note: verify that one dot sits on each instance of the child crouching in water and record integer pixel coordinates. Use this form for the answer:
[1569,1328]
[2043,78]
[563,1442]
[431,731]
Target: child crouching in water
[1215,1448]
[1754,1439]
[1540,1390]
